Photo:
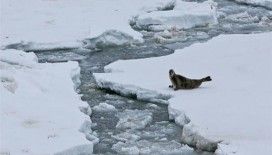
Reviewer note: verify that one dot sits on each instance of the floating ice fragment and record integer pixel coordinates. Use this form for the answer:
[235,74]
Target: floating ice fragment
[125,149]
[102,107]
[86,110]
[110,38]
[133,119]
[126,136]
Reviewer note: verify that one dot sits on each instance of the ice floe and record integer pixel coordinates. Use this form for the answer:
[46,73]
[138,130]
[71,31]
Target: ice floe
[35,46]
[62,24]
[110,38]
[221,110]
[40,108]
[183,16]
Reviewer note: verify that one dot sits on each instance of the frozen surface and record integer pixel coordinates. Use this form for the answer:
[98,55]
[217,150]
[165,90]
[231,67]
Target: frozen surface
[133,119]
[65,23]
[243,18]
[110,38]
[104,107]
[184,15]
[193,136]
[86,110]
[39,107]
[148,148]
[235,107]
[263,3]
[132,91]
[126,136]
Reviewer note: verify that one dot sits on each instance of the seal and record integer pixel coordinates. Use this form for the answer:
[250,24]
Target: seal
[181,82]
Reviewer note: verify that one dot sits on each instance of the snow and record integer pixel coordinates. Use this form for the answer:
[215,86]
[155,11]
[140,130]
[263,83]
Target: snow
[104,107]
[83,149]
[30,46]
[40,108]
[234,108]
[192,136]
[54,24]
[18,58]
[262,3]
[184,15]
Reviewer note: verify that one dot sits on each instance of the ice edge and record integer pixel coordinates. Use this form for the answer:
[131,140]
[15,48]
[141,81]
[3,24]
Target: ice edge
[86,126]
[191,134]
[133,91]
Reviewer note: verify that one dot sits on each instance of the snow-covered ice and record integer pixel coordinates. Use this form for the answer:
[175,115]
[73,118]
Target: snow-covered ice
[50,24]
[184,15]
[39,107]
[31,102]
[235,107]
[262,3]
[132,91]
[192,136]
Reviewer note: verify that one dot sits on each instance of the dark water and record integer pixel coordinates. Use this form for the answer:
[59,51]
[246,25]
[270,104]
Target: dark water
[159,133]
[106,121]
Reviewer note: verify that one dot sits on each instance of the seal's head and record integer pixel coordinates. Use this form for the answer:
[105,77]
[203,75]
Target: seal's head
[171,72]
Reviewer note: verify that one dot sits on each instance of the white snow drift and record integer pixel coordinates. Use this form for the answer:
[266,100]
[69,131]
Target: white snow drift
[235,107]
[39,107]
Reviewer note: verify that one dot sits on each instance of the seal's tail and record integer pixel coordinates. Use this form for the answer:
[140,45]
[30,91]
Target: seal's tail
[208,78]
